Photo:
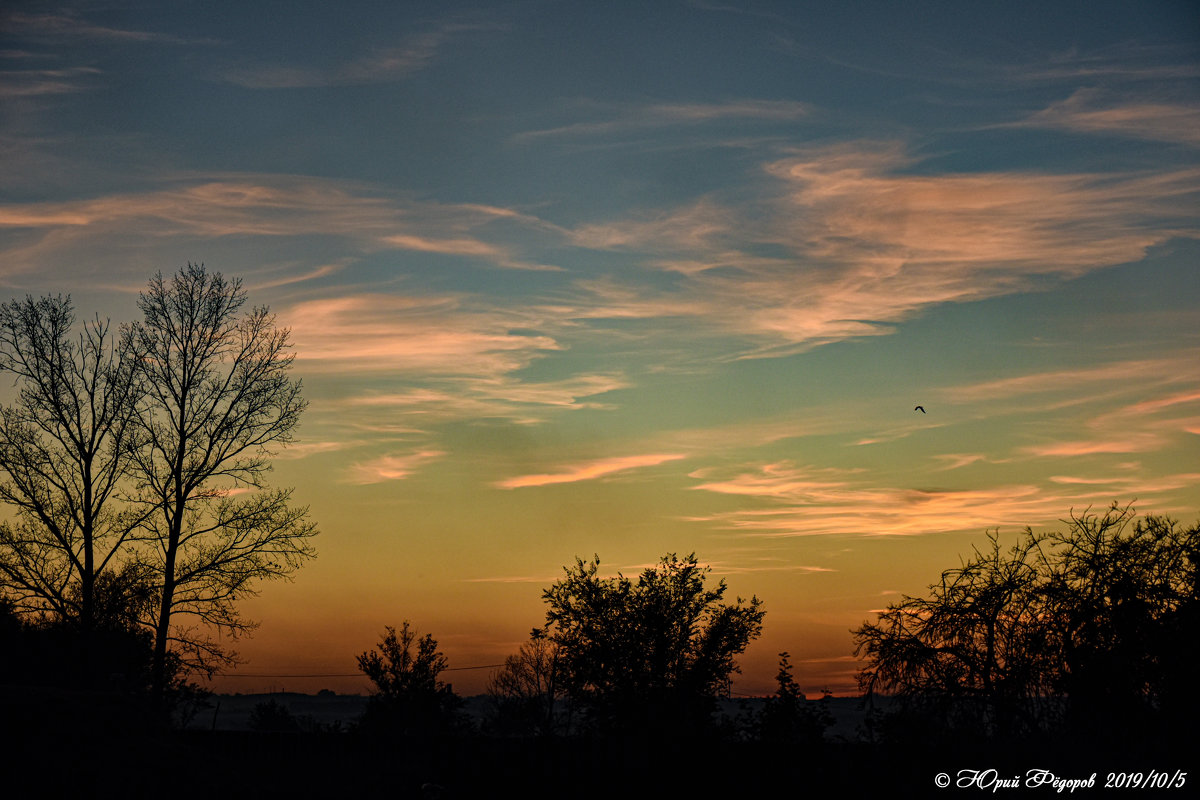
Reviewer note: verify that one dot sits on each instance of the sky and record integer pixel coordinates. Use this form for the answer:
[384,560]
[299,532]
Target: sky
[626,279]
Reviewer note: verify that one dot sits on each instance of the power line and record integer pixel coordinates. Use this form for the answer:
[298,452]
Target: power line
[314,675]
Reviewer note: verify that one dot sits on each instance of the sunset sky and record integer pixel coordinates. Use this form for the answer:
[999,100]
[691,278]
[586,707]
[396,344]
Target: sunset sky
[626,279]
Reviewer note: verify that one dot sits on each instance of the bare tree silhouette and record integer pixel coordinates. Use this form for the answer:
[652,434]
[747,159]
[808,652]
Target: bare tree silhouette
[527,692]
[64,453]
[215,397]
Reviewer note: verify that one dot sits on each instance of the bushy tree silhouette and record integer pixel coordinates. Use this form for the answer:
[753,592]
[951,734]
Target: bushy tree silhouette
[410,698]
[1082,628]
[649,656]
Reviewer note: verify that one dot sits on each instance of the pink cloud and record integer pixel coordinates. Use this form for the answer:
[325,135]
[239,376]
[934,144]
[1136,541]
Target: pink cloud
[590,470]
[863,243]
[268,206]
[439,335]
[1137,443]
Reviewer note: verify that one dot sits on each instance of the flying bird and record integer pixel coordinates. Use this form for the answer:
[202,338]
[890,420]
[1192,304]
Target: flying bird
[920,408]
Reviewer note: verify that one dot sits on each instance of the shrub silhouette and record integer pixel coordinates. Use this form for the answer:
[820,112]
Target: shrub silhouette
[410,698]
[272,716]
[787,717]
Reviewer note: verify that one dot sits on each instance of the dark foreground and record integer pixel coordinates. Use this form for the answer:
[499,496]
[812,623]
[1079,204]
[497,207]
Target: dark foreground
[185,764]
[52,750]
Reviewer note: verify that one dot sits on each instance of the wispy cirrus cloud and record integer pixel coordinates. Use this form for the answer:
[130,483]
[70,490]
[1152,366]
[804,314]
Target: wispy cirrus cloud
[1121,407]
[1089,111]
[35,82]
[797,505]
[544,580]
[429,335]
[1117,374]
[390,467]
[380,65]
[288,276]
[484,397]
[619,120]
[858,242]
[1132,484]
[465,247]
[1156,404]
[784,500]
[274,206]
[590,470]
[67,25]
[1127,62]
[1135,442]
[751,568]
[300,450]
[960,460]
[1156,423]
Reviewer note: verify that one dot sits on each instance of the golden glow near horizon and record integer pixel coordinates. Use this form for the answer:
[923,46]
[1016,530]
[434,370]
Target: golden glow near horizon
[673,284]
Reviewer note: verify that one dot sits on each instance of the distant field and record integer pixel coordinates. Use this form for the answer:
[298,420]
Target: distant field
[231,712]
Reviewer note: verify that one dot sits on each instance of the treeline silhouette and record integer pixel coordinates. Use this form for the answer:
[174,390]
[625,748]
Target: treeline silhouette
[1069,647]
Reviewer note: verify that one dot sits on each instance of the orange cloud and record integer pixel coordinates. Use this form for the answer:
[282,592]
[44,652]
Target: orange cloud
[1118,374]
[960,460]
[1136,443]
[305,449]
[390,467]
[590,470]
[1089,111]
[1159,403]
[806,501]
[464,247]
[790,500]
